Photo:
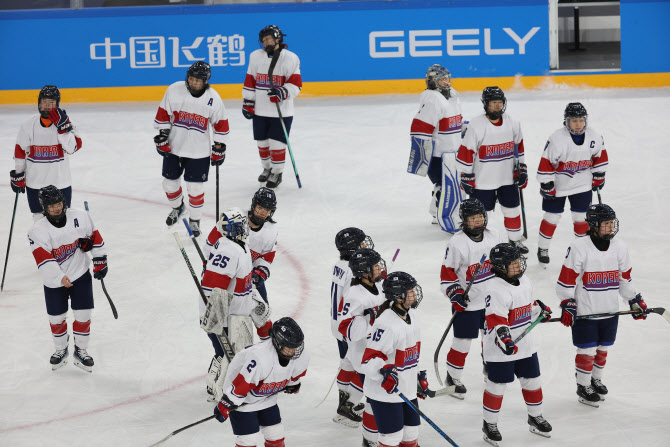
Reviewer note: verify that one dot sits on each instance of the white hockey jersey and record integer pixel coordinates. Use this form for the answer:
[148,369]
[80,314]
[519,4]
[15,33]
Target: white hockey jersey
[338,288]
[488,151]
[40,153]
[570,166]
[255,376]
[594,278]
[229,268]
[56,250]
[263,245]
[396,342]
[460,261]
[511,306]
[257,83]
[353,325]
[439,119]
[190,119]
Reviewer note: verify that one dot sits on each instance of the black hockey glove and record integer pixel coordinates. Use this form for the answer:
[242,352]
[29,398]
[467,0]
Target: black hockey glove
[85,244]
[292,389]
[60,120]
[17,181]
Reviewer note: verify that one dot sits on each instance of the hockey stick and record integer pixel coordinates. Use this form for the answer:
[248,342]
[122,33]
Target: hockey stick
[182,429]
[275,58]
[102,282]
[190,232]
[656,310]
[427,419]
[523,206]
[453,317]
[217,202]
[600,199]
[529,328]
[223,339]
[9,242]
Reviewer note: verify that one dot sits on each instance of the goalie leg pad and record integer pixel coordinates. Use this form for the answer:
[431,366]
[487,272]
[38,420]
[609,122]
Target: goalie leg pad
[240,332]
[216,314]
[420,154]
[450,196]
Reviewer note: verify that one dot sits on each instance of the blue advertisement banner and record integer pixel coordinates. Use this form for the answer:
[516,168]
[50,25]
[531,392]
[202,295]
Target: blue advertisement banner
[339,41]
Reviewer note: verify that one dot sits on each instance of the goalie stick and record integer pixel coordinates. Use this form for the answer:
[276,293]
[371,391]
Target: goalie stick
[453,317]
[102,283]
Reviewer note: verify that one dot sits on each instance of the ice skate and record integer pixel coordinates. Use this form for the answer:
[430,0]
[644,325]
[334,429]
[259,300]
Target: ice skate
[58,359]
[491,434]
[539,426]
[543,256]
[588,396]
[175,214]
[599,387]
[522,248]
[345,412]
[358,408]
[367,443]
[195,226]
[274,180]
[456,387]
[83,360]
[264,175]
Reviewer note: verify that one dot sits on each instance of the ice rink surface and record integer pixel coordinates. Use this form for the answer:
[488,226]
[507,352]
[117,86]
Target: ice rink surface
[352,153]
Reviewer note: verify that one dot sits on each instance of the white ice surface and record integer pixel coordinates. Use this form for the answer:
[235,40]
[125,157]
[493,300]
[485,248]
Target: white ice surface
[352,154]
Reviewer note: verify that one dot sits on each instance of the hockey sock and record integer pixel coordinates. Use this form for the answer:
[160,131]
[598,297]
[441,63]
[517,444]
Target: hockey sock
[59,331]
[410,436]
[275,443]
[344,378]
[356,388]
[196,199]
[581,227]
[414,443]
[512,222]
[369,424]
[532,394]
[390,439]
[264,153]
[218,350]
[547,229]
[456,356]
[584,365]
[599,362]
[493,397]
[81,327]
[250,440]
[173,192]
[278,155]
[274,435]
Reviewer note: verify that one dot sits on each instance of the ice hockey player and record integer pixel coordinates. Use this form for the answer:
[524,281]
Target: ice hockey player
[436,137]
[510,309]
[185,116]
[263,237]
[260,99]
[487,162]
[59,244]
[227,282]
[464,251]
[40,153]
[596,269]
[255,378]
[573,165]
[355,320]
[391,361]
[347,242]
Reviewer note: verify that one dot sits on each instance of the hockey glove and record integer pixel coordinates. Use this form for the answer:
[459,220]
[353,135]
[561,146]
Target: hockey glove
[638,303]
[598,181]
[422,390]
[223,409]
[85,244]
[100,267]
[548,190]
[389,378]
[456,295]
[162,145]
[278,94]
[259,275]
[248,108]
[218,154]
[569,312]
[371,313]
[504,341]
[468,183]
[17,181]
[292,389]
[521,175]
[545,310]
[60,119]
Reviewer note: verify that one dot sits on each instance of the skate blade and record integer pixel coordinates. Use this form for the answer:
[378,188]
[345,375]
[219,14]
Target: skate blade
[602,397]
[536,431]
[586,402]
[491,441]
[346,421]
[457,395]
[59,365]
[83,367]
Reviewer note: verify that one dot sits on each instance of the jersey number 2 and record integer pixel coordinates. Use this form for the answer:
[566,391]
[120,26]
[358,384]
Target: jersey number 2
[251,366]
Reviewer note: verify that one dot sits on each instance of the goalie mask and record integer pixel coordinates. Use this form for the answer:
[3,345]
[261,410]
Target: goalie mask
[438,78]
[287,338]
[234,225]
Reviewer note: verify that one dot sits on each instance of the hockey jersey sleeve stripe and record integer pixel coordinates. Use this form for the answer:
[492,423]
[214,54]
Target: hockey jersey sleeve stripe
[302,374]
[214,236]
[520,149]
[421,128]
[465,156]
[545,168]
[19,153]
[600,162]
[79,143]
[162,117]
[212,280]
[626,275]
[568,277]
[270,256]
[250,82]
[222,127]
[41,256]
[448,274]
[97,239]
[370,354]
[494,320]
[295,79]
[241,285]
[343,328]
[240,387]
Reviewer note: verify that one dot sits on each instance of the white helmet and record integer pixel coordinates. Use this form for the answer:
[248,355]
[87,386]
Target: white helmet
[234,224]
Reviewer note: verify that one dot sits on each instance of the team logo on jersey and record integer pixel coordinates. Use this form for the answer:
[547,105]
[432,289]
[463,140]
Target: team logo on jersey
[46,154]
[263,80]
[519,316]
[268,389]
[484,272]
[451,124]
[63,253]
[336,271]
[190,121]
[496,152]
[570,168]
[408,358]
[601,281]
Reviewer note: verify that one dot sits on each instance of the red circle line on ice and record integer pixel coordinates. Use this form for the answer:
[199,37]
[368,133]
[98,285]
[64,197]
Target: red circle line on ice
[304,291]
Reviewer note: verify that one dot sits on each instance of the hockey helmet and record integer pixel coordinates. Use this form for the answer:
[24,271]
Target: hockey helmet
[363,261]
[472,207]
[285,333]
[50,195]
[199,70]
[575,110]
[398,285]
[492,94]
[350,239]
[599,213]
[435,77]
[266,198]
[234,224]
[501,256]
[48,92]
